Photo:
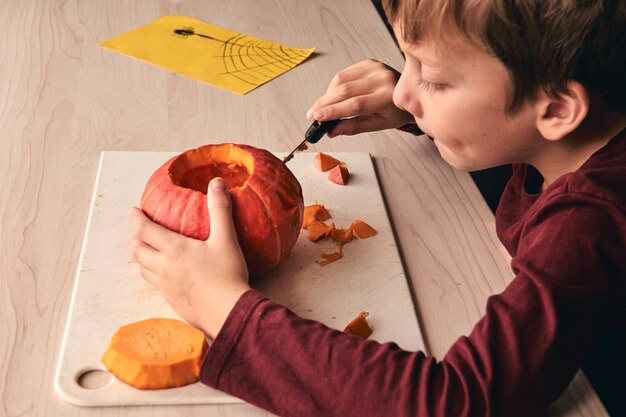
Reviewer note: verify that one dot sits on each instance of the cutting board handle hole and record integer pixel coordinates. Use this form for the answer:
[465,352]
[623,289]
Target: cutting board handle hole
[94,379]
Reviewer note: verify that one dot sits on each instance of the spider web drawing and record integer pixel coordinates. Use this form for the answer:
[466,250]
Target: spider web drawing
[228,59]
[251,60]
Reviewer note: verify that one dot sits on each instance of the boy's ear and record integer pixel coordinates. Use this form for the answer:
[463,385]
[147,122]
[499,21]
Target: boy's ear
[560,115]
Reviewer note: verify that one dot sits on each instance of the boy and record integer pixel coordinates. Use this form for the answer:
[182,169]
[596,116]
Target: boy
[487,81]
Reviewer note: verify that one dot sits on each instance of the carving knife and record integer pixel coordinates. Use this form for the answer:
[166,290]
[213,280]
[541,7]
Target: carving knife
[313,134]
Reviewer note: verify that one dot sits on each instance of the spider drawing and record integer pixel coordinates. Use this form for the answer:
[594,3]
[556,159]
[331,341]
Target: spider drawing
[249,59]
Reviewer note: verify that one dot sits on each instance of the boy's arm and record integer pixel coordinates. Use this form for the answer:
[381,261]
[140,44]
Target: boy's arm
[518,359]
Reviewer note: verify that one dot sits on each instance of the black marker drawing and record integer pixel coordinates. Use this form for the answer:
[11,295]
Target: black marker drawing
[248,59]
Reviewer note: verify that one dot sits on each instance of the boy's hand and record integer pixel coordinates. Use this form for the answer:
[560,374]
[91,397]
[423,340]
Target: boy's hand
[201,280]
[363,92]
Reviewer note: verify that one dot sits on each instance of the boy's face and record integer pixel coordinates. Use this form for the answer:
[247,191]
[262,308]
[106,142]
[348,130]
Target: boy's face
[458,95]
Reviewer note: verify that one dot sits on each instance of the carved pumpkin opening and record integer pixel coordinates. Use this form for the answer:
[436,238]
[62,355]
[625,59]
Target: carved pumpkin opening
[194,169]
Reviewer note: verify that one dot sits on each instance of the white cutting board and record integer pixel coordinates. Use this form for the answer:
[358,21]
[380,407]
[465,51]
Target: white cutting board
[109,292]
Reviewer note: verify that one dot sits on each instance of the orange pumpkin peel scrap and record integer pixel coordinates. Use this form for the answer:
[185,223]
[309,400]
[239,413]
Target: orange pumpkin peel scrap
[314,212]
[362,230]
[328,258]
[339,175]
[317,230]
[359,326]
[342,236]
[323,162]
[314,216]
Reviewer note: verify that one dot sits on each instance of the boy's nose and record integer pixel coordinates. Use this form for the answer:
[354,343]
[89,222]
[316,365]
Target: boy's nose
[405,98]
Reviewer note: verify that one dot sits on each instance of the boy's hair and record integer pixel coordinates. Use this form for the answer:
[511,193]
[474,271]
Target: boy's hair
[543,43]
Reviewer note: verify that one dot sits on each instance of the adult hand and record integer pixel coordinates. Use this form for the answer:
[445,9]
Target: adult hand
[201,280]
[362,92]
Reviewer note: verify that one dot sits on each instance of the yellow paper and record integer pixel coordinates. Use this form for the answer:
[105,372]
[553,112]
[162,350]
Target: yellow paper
[230,60]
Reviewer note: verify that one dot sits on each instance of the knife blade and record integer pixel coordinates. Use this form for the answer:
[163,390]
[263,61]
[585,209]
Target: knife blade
[313,134]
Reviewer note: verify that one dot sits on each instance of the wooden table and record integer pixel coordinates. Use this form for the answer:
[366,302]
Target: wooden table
[64,99]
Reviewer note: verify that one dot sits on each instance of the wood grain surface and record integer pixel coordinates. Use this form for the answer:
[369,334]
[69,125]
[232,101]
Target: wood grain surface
[64,99]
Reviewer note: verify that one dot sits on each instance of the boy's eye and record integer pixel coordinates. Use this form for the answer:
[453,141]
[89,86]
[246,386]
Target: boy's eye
[429,87]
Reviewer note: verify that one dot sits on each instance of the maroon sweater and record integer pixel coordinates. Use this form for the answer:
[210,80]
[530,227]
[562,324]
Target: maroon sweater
[569,260]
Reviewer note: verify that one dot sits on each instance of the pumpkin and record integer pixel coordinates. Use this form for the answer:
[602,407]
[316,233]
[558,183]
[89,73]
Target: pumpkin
[266,199]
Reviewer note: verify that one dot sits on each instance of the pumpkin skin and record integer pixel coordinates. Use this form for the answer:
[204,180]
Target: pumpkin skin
[266,199]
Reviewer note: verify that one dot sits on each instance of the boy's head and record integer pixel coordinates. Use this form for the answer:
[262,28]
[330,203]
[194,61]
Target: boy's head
[542,43]
[497,81]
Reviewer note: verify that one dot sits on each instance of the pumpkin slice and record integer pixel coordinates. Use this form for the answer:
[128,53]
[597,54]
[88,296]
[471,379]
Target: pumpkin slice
[314,212]
[156,353]
[339,174]
[362,230]
[324,162]
[359,326]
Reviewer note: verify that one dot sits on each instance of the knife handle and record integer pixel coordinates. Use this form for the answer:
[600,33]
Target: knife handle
[318,129]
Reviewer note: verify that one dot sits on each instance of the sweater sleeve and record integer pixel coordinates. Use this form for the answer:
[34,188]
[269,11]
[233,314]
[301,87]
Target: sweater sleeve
[517,360]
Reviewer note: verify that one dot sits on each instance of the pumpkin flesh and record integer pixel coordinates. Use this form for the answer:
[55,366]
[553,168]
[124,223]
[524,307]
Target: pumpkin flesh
[195,168]
[156,353]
